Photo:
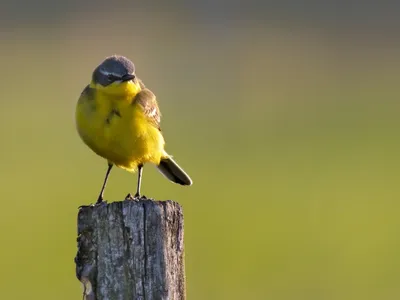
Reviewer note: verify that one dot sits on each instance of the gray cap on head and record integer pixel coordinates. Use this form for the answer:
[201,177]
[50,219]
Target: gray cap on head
[114,68]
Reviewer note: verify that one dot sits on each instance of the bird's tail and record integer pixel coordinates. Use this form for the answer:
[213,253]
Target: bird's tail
[170,169]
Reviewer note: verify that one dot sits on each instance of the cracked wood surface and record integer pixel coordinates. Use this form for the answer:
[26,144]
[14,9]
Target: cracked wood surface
[131,250]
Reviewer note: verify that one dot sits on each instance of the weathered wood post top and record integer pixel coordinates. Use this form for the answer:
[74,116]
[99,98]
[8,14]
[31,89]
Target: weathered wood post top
[131,250]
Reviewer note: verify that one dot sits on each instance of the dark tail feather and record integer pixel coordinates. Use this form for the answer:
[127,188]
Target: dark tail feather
[170,169]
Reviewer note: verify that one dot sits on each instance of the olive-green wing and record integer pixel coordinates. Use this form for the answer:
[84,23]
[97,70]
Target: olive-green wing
[86,100]
[147,100]
[87,93]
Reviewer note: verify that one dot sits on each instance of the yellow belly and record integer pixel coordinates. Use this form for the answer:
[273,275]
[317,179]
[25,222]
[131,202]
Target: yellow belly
[119,132]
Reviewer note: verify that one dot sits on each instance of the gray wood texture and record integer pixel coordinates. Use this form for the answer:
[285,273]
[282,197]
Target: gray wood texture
[131,250]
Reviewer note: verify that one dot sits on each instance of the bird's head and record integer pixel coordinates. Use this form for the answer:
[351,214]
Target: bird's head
[116,75]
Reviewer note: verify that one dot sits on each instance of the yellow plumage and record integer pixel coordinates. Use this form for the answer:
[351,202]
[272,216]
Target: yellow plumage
[116,128]
[119,119]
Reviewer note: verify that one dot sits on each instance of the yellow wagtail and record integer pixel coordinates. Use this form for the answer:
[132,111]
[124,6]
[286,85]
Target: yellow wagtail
[119,119]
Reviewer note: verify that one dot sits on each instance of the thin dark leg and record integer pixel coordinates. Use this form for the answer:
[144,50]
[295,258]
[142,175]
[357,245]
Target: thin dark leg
[100,199]
[139,182]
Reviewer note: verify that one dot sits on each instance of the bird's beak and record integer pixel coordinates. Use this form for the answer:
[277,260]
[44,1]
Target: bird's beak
[128,77]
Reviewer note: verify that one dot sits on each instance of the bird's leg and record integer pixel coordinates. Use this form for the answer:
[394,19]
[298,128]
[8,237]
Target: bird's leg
[100,199]
[139,182]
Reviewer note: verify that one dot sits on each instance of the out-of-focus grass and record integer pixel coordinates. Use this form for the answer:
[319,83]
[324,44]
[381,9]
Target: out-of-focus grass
[291,139]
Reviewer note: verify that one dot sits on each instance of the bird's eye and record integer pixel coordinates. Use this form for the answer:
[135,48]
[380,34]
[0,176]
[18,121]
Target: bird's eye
[110,77]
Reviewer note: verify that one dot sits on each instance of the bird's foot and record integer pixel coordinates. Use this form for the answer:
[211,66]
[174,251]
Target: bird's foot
[86,206]
[129,197]
[136,197]
[100,200]
[93,205]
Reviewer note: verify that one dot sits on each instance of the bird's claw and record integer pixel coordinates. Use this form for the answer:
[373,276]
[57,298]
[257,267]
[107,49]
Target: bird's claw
[102,202]
[86,206]
[136,197]
[129,197]
[140,197]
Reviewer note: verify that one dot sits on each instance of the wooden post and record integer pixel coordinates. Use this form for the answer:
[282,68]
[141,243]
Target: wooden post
[131,250]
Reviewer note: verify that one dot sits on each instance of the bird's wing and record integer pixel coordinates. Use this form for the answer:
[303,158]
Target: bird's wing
[87,101]
[87,93]
[147,100]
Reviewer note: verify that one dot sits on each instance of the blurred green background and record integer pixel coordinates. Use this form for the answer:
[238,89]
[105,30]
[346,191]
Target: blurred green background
[285,115]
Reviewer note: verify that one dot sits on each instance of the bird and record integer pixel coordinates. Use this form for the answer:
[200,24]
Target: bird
[118,118]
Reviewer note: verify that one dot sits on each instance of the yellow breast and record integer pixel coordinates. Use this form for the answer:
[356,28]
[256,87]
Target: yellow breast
[116,129]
